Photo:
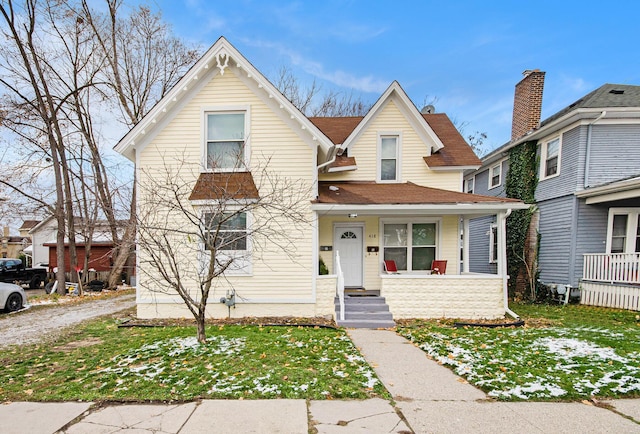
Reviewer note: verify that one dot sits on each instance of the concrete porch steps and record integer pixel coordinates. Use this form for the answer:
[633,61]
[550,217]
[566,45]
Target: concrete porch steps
[364,309]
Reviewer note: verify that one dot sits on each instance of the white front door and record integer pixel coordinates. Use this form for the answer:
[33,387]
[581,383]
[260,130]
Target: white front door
[348,241]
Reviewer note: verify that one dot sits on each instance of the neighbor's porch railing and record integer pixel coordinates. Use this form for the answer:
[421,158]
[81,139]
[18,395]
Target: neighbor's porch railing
[340,285]
[611,267]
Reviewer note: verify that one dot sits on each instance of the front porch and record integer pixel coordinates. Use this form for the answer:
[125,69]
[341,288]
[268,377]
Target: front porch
[611,280]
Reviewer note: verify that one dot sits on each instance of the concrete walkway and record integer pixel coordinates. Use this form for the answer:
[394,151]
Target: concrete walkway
[434,400]
[428,398]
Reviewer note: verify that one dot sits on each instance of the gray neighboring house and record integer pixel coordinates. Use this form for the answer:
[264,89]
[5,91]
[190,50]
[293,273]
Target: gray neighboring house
[588,192]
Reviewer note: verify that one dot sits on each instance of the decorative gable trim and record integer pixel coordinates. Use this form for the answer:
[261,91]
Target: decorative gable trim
[221,56]
[398,95]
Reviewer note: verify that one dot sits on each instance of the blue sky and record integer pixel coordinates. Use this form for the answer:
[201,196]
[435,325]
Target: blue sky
[467,54]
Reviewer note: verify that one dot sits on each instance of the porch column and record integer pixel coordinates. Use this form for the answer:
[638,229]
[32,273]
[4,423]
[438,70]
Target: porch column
[465,244]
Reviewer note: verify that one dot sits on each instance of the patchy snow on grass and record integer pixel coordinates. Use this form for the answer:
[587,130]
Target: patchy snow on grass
[567,348]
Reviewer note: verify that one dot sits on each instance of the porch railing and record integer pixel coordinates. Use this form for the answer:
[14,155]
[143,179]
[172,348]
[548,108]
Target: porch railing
[340,285]
[612,267]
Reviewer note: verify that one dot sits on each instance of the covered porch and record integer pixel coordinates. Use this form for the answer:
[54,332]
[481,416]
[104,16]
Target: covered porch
[360,225]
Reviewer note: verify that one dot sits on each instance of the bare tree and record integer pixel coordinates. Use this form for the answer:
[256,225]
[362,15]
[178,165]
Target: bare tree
[192,247]
[330,104]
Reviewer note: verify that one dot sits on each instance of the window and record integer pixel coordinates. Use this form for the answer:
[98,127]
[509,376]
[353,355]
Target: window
[411,245]
[225,136]
[226,231]
[495,173]
[388,160]
[550,156]
[624,230]
[469,185]
[493,244]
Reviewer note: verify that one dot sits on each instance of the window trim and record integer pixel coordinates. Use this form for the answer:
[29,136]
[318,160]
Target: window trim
[244,261]
[234,109]
[493,243]
[491,185]
[471,180]
[633,219]
[398,137]
[409,246]
[544,148]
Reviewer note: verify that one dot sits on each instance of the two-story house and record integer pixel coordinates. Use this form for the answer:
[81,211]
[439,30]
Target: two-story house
[587,193]
[383,187]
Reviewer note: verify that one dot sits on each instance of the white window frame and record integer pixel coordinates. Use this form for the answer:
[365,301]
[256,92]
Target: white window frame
[244,264]
[544,158]
[633,214]
[499,166]
[398,137]
[410,222]
[469,181]
[236,109]
[493,243]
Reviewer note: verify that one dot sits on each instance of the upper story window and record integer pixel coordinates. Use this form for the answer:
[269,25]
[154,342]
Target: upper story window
[389,158]
[225,137]
[495,175]
[469,185]
[550,158]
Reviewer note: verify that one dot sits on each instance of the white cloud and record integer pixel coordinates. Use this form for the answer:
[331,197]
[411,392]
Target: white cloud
[338,77]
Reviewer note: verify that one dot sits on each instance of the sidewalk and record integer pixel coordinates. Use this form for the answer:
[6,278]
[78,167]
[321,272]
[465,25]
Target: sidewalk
[428,398]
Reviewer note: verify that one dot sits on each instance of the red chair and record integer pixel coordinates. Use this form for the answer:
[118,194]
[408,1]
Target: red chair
[438,267]
[390,266]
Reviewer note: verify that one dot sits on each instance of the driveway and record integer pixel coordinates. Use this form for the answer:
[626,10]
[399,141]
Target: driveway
[38,324]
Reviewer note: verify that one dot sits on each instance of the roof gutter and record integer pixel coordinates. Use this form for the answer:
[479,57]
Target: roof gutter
[334,152]
[587,159]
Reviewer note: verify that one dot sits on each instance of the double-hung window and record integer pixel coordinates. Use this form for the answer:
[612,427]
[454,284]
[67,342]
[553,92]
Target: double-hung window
[225,141]
[469,185]
[550,157]
[495,175]
[411,245]
[227,234]
[624,230]
[388,161]
[493,244]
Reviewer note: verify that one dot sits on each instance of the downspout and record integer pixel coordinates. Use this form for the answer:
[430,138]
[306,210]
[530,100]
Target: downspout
[334,151]
[587,159]
[503,253]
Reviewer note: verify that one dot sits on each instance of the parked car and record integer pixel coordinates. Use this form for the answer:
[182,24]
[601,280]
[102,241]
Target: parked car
[12,297]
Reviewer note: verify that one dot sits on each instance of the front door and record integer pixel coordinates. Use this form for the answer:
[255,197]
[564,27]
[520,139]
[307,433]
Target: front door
[348,241]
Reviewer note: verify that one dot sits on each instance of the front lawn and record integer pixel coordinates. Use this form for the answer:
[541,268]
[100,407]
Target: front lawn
[563,353]
[100,361]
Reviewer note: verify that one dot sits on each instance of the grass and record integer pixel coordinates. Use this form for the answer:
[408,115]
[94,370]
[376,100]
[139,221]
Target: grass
[563,353]
[100,361]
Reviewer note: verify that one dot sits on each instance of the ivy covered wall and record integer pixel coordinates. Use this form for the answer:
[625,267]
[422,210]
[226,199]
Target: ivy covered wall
[520,183]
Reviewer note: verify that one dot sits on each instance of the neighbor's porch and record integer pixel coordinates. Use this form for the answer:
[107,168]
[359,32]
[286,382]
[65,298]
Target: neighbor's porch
[611,280]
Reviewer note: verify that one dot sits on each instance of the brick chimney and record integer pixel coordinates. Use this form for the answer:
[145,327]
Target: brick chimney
[527,103]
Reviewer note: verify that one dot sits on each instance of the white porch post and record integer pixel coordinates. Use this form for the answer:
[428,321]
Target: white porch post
[501,220]
[465,244]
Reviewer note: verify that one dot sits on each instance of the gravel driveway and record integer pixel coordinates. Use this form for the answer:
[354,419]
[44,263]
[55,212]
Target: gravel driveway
[36,325]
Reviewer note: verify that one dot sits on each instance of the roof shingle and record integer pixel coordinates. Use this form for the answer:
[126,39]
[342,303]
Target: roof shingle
[224,185]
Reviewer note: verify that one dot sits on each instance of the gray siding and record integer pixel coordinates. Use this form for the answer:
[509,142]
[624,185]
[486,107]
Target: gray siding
[556,221]
[571,166]
[479,245]
[615,153]
[591,235]
[481,184]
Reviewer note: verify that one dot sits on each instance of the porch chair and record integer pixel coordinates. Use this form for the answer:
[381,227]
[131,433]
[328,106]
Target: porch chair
[390,266]
[438,266]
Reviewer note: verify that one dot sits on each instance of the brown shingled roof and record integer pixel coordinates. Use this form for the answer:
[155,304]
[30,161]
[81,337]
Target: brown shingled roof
[29,224]
[407,193]
[343,161]
[456,151]
[224,185]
